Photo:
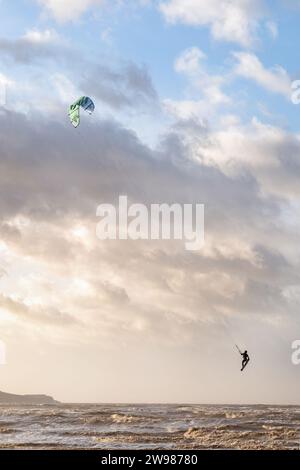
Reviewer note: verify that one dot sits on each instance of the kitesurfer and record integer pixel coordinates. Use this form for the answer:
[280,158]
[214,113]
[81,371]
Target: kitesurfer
[246,359]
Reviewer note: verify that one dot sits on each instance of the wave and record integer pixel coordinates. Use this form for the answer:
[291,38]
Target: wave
[5,430]
[125,419]
[151,426]
[120,418]
[270,438]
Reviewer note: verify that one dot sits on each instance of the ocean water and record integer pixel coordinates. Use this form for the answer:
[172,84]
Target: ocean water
[149,427]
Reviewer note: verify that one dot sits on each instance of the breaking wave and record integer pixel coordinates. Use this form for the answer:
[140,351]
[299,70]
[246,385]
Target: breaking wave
[150,427]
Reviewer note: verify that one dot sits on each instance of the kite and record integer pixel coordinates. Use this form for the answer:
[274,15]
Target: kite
[74,113]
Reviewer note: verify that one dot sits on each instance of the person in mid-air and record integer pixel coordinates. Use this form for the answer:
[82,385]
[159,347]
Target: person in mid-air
[246,359]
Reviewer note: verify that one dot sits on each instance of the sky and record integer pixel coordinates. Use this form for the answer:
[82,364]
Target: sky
[193,105]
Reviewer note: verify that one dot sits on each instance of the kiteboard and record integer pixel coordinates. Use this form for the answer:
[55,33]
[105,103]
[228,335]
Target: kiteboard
[244,366]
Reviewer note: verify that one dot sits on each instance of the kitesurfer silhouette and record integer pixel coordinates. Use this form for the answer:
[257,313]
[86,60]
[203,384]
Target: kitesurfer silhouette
[245,356]
[246,359]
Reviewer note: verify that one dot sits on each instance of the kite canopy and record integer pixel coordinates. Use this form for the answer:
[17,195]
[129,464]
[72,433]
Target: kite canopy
[84,102]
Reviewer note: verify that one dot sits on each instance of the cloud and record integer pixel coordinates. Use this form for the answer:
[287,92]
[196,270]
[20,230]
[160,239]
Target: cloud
[47,36]
[126,85]
[186,109]
[133,298]
[121,85]
[54,188]
[72,10]
[231,20]
[275,80]
[205,95]
[266,152]
[35,314]
[36,44]
[204,91]
[2,272]
[189,61]
[68,10]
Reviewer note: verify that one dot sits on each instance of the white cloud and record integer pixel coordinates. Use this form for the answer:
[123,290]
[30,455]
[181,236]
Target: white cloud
[35,36]
[230,20]
[205,91]
[189,61]
[201,84]
[275,79]
[5,81]
[266,152]
[185,109]
[68,10]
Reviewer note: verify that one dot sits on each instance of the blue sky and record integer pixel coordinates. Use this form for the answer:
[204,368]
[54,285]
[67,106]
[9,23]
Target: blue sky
[193,103]
[131,31]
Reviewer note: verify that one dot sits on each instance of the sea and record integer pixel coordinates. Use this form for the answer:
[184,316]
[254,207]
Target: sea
[171,427]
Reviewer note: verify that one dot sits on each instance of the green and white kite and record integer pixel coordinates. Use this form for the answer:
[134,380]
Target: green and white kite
[74,113]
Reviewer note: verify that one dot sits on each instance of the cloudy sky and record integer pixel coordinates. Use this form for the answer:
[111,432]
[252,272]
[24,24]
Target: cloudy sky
[193,105]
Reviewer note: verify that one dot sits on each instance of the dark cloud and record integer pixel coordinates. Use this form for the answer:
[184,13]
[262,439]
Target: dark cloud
[26,51]
[127,86]
[124,85]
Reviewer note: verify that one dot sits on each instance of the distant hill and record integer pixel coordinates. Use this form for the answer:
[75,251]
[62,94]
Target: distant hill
[10,398]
